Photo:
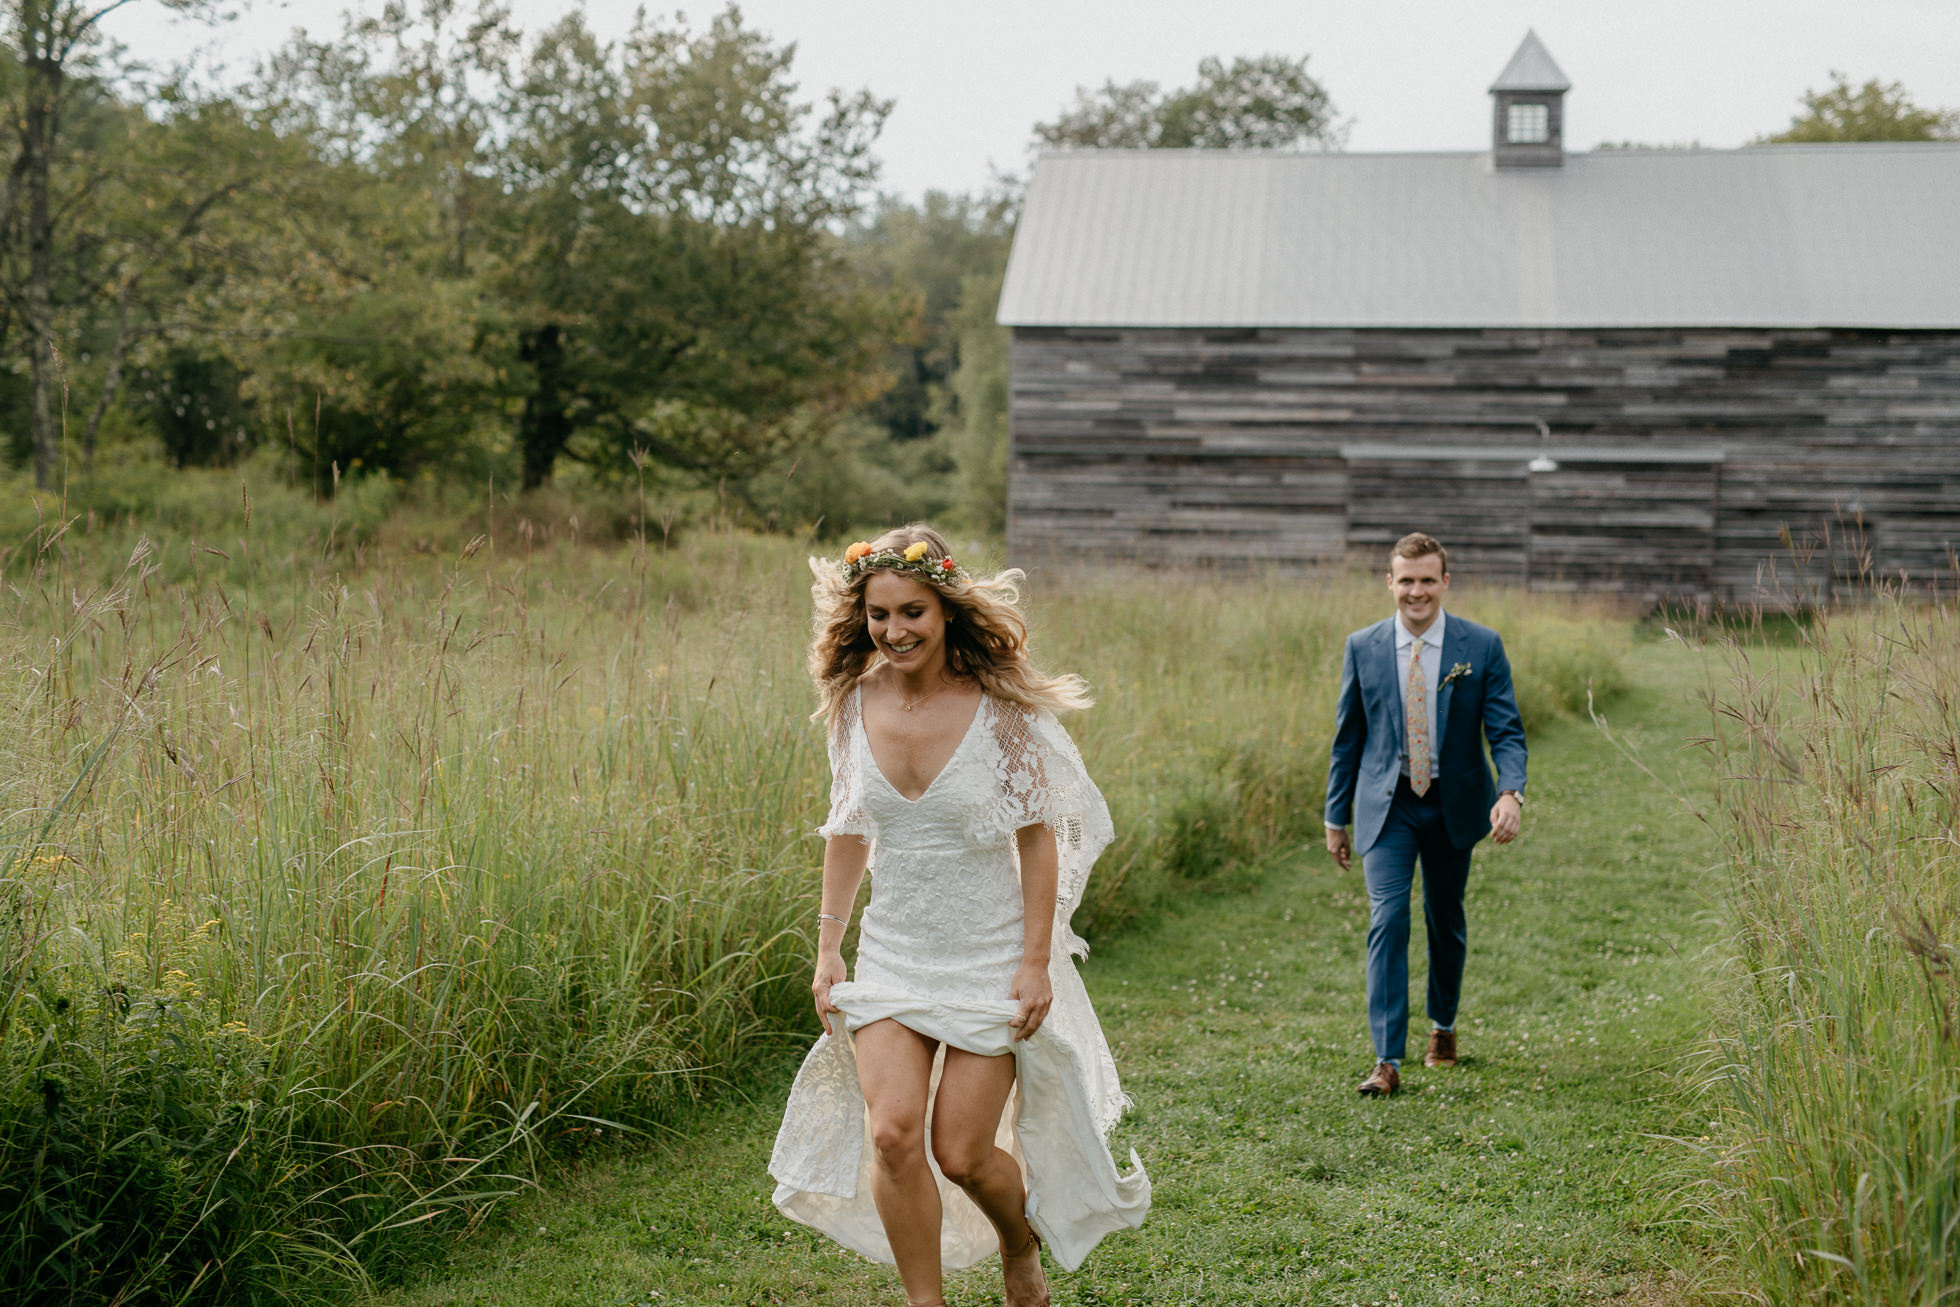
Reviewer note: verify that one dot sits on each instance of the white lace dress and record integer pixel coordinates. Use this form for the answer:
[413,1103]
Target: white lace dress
[937,950]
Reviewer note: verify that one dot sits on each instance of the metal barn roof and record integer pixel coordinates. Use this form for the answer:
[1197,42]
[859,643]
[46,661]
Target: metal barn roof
[1768,236]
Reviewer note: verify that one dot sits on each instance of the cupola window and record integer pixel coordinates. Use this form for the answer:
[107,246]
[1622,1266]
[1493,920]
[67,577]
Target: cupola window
[1527,123]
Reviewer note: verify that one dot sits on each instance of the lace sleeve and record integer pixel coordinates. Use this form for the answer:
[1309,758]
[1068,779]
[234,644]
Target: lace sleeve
[846,775]
[1039,779]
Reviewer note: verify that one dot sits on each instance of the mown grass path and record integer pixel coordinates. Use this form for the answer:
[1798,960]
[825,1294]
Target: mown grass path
[1529,1174]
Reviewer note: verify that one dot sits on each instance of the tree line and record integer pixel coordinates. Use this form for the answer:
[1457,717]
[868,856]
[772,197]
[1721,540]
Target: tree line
[434,246]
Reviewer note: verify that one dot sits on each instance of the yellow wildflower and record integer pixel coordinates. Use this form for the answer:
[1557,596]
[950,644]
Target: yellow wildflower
[916,552]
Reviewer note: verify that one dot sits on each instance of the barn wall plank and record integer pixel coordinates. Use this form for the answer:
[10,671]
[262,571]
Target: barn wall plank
[1174,445]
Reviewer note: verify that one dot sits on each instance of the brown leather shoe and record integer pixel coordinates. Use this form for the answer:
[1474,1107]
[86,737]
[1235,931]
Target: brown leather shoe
[1442,1049]
[1382,1082]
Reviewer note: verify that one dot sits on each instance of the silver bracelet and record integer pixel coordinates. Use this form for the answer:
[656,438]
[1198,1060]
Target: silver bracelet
[825,916]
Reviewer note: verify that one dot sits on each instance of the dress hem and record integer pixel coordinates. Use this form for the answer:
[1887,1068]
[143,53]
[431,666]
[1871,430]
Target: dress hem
[1076,1195]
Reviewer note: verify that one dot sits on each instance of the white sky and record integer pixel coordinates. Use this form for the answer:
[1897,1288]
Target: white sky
[971,79]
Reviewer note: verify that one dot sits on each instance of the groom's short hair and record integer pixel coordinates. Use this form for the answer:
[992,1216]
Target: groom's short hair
[1417,545]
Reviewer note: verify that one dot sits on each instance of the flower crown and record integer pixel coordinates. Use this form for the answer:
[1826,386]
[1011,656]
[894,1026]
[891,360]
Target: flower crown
[861,558]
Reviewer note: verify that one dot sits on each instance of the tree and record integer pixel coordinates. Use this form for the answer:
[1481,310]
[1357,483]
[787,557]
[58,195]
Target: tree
[1876,111]
[1118,117]
[925,255]
[674,285]
[1264,103]
[370,310]
[84,223]
[974,407]
[190,181]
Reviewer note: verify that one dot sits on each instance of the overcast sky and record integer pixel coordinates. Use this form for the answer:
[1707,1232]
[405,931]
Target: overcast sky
[969,80]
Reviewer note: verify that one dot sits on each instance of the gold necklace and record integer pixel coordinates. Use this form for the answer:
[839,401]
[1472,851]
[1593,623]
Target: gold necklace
[921,699]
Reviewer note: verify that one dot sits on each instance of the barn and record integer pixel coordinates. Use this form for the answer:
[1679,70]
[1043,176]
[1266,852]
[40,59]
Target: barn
[1658,372]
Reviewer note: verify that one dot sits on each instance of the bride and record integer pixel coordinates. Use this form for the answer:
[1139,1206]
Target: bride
[959,1100]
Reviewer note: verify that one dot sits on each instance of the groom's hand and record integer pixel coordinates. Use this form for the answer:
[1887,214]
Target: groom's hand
[1337,844]
[1505,819]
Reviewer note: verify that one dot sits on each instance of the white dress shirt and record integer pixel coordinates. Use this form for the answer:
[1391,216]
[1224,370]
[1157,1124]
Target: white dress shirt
[1431,646]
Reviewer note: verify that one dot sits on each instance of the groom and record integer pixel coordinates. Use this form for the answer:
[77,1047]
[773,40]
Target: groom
[1421,693]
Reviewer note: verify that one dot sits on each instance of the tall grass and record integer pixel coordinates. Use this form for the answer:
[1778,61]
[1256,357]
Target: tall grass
[337,893]
[1218,699]
[1836,1113]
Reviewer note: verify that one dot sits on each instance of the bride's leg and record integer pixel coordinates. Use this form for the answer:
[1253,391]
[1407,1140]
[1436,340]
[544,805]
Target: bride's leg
[972,1092]
[895,1072]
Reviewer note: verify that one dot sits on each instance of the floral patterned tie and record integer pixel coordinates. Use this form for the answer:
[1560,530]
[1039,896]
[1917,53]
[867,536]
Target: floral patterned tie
[1415,709]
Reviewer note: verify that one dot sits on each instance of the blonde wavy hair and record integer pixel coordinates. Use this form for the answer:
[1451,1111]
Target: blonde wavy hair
[986,636]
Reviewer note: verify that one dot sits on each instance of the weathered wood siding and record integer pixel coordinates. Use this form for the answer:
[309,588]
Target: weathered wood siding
[1689,460]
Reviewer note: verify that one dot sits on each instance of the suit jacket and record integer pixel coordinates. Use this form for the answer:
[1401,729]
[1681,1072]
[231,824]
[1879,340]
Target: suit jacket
[1369,736]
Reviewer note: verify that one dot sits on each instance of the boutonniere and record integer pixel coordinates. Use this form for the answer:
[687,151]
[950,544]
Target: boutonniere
[1456,673]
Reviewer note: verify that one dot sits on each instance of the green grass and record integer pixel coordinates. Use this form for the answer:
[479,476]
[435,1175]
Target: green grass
[343,886]
[1539,1171]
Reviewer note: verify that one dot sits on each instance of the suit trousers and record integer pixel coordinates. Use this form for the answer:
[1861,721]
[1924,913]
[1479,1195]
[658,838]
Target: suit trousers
[1414,832]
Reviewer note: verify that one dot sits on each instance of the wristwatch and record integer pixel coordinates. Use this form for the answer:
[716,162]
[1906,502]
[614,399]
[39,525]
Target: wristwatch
[1516,794]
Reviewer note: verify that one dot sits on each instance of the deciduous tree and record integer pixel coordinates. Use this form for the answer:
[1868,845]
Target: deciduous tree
[925,255]
[89,211]
[1264,103]
[675,281]
[1876,111]
[375,300]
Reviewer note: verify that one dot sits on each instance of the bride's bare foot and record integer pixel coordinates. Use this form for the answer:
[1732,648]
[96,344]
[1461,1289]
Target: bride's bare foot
[1026,1282]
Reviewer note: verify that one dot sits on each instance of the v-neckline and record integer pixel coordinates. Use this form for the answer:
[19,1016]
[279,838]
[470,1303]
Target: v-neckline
[944,767]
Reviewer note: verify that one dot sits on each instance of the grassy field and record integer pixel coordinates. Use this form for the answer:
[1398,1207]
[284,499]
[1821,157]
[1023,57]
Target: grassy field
[355,866]
[1538,1171]
[1832,1171]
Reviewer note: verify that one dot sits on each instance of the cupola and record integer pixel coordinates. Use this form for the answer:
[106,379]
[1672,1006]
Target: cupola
[1528,109]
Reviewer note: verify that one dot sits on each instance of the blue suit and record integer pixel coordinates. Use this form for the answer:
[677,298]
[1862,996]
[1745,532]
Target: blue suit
[1394,829]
